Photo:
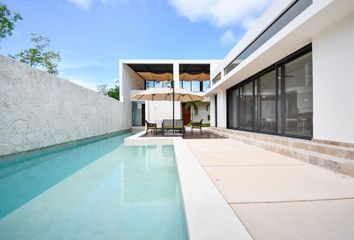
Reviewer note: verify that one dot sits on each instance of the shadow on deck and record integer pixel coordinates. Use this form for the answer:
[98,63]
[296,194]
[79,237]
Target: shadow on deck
[187,135]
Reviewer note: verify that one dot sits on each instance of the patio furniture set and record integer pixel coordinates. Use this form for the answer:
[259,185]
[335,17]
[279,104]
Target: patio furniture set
[169,125]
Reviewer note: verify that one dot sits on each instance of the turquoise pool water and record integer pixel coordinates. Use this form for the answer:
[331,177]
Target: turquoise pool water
[101,190]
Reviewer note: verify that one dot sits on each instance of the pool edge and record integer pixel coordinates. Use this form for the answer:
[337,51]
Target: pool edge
[61,146]
[207,213]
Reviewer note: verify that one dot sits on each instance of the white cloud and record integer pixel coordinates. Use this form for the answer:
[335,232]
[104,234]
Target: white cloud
[228,38]
[221,12]
[84,4]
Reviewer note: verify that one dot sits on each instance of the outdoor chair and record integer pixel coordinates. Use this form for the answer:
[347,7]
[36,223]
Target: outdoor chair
[167,125]
[197,125]
[151,126]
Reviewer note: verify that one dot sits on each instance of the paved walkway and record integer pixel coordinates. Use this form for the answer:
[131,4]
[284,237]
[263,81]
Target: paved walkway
[277,197]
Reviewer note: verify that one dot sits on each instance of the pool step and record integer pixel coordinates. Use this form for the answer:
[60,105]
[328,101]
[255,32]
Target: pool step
[316,153]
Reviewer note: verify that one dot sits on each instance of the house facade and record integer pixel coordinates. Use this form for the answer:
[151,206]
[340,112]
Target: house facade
[291,74]
[192,75]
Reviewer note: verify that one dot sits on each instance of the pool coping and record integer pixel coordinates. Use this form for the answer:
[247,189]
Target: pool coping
[208,215]
[32,153]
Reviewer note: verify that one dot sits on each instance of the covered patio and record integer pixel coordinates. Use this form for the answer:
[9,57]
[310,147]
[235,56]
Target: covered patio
[180,75]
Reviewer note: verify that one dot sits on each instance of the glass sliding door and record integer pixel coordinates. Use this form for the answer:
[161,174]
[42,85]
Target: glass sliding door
[266,100]
[246,106]
[280,90]
[138,112]
[232,108]
[277,100]
[298,96]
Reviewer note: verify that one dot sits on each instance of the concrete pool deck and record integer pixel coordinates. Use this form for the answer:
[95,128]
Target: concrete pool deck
[276,197]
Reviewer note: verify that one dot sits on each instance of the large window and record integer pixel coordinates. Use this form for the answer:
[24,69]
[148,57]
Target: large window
[157,84]
[232,108]
[246,106]
[266,102]
[298,96]
[195,86]
[216,78]
[277,100]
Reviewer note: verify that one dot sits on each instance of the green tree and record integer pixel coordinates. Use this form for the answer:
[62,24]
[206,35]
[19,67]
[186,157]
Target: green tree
[7,21]
[38,56]
[194,106]
[114,92]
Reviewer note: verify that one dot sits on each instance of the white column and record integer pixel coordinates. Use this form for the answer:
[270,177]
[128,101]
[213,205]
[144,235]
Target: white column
[176,75]
[176,84]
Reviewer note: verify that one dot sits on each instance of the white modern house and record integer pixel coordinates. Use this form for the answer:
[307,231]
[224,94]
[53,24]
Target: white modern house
[139,75]
[291,74]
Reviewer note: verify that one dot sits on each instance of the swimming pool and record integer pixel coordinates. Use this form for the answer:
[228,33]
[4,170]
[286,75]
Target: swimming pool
[100,190]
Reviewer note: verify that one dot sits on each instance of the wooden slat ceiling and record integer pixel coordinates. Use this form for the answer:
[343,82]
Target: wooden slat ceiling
[164,72]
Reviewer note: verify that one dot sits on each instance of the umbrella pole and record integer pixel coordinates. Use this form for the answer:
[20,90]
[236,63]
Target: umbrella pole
[173,106]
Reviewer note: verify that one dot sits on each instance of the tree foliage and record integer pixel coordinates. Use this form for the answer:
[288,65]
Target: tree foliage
[39,56]
[114,92]
[7,21]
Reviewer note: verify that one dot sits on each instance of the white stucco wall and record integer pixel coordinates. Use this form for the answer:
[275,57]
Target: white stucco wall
[203,112]
[129,80]
[156,111]
[38,109]
[212,111]
[221,109]
[221,105]
[333,85]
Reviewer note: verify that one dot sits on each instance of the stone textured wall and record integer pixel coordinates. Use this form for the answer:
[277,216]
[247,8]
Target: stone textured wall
[38,110]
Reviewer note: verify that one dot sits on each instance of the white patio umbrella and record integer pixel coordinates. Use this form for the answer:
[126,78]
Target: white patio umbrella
[168,94]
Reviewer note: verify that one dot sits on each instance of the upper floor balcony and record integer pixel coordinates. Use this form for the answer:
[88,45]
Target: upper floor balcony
[193,77]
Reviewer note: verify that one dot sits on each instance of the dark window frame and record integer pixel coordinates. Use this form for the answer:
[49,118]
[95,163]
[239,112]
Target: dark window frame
[279,65]
[216,109]
[216,78]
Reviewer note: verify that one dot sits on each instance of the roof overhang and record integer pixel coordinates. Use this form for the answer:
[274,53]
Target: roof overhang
[292,37]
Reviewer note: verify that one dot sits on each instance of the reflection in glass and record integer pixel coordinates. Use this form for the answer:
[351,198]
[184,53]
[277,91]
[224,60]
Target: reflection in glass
[298,93]
[149,84]
[206,85]
[279,101]
[279,108]
[195,86]
[232,108]
[266,101]
[246,106]
[186,85]
[163,84]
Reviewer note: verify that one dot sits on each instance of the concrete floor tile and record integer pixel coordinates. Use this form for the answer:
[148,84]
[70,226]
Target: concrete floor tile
[280,183]
[277,197]
[246,158]
[299,220]
[219,145]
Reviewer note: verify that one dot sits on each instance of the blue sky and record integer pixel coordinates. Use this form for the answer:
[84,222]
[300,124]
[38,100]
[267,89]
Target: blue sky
[92,35]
